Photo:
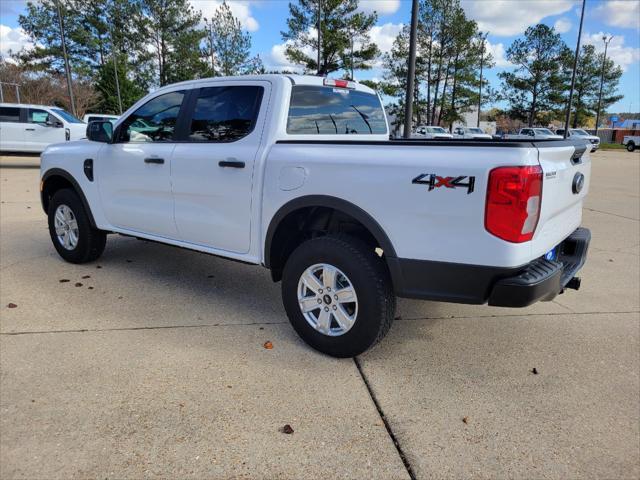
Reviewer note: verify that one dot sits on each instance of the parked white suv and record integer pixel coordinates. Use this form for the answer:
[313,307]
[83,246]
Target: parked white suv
[96,117]
[31,128]
[471,133]
[297,173]
[433,131]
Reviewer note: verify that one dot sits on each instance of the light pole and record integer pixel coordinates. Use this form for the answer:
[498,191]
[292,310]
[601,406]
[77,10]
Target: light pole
[115,69]
[604,61]
[573,74]
[482,39]
[411,71]
[67,69]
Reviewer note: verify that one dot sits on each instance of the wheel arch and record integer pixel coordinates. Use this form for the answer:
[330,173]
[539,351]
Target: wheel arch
[279,225]
[55,179]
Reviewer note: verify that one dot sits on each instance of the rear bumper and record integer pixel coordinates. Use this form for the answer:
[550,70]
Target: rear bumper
[539,280]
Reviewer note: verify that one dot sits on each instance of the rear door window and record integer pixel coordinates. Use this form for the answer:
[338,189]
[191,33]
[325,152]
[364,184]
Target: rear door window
[10,114]
[224,114]
[316,110]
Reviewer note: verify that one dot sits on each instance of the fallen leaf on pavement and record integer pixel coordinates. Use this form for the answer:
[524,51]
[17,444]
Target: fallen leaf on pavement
[63,280]
[86,276]
[11,305]
[98,266]
[287,429]
[465,420]
[534,371]
[78,284]
[268,345]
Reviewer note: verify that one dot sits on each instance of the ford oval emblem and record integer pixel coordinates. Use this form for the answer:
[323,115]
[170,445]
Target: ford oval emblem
[578,183]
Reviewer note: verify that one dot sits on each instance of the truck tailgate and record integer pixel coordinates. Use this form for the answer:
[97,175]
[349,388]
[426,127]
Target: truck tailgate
[566,175]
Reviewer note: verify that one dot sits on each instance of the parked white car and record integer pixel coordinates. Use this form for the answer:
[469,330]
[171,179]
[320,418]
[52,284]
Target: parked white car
[535,133]
[471,133]
[631,142]
[96,117]
[592,140]
[297,173]
[433,131]
[32,128]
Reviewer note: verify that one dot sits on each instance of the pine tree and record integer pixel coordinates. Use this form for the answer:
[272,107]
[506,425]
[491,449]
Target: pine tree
[345,42]
[229,46]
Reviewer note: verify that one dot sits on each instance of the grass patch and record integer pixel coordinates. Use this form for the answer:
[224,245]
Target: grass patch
[612,146]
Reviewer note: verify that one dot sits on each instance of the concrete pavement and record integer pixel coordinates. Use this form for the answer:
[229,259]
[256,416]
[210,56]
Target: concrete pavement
[155,367]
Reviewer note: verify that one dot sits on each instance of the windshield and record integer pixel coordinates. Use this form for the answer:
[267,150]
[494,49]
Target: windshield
[475,130]
[579,132]
[66,115]
[544,131]
[436,130]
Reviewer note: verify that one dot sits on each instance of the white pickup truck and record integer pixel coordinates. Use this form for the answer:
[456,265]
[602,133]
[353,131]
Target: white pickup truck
[297,173]
[534,134]
[631,142]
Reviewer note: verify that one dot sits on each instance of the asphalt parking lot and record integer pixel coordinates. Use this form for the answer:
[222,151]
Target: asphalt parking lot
[150,363]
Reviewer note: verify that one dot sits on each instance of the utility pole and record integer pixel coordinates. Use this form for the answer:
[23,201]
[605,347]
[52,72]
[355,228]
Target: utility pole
[482,39]
[604,61]
[319,35]
[573,74]
[411,70]
[66,59]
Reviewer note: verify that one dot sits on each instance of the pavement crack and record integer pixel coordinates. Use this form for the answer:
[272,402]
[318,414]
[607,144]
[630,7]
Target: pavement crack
[401,453]
[612,214]
[480,317]
[124,329]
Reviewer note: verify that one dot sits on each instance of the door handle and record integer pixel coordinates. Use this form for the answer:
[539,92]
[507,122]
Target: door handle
[155,160]
[30,129]
[231,163]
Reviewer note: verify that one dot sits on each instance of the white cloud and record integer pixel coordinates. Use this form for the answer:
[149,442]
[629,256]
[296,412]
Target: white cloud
[498,53]
[508,17]
[382,7]
[240,8]
[13,40]
[562,25]
[617,51]
[385,35]
[620,13]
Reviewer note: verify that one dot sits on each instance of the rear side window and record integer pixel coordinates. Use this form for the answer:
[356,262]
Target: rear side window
[155,121]
[318,110]
[9,114]
[225,114]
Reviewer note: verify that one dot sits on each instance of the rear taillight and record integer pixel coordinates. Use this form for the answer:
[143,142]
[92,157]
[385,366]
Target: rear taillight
[514,195]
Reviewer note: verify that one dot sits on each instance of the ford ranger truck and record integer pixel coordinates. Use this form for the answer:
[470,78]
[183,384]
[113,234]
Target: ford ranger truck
[297,174]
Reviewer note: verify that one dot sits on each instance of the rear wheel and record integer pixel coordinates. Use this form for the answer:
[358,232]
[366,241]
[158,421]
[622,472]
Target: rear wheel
[71,232]
[631,146]
[337,295]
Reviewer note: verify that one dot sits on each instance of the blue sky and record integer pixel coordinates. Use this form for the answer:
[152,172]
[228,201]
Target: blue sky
[505,20]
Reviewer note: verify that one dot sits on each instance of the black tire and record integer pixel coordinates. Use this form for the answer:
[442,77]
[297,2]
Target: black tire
[631,147]
[91,241]
[370,279]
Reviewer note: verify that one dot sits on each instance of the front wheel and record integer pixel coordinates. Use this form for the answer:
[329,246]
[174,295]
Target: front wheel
[337,294]
[631,147]
[71,232]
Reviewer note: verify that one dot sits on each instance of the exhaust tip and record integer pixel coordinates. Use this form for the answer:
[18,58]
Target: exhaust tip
[574,283]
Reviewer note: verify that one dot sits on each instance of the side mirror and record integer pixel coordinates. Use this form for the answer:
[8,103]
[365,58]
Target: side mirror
[53,123]
[100,131]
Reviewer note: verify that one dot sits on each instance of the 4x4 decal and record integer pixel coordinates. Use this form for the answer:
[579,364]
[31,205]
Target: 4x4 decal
[436,181]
